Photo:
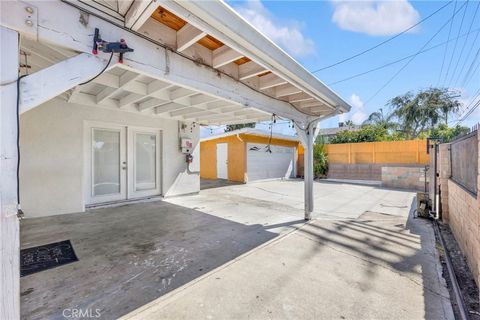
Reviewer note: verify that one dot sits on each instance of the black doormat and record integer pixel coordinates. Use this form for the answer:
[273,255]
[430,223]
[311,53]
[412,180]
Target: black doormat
[45,257]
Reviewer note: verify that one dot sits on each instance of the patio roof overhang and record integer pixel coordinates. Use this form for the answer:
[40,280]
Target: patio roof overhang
[215,68]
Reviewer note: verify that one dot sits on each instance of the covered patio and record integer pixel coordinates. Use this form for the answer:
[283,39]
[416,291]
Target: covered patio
[89,83]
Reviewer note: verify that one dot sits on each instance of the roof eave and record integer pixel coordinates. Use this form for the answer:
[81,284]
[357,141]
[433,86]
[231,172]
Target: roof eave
[229,27]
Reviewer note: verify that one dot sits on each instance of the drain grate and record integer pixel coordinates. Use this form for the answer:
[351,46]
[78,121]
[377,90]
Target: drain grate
[45,257]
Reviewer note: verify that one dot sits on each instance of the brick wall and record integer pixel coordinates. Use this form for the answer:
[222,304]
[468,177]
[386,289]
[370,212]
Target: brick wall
[412,178]
[461,209]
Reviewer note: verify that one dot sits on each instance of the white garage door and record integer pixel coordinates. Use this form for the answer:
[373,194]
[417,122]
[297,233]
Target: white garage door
[262,164]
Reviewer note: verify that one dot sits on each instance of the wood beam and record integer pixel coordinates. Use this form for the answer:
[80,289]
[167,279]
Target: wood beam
[200,99]
[299,97]
[41,86]
[181,70]
[149,104]
[168,107]
[130,99]
[224,55]
[307,104]
[181,93]
[123,6]
[187,36]
[139,13]
[105,94]
[249,70]
[185,111]
[193,115]
[126,78]
[217,104]
[270,80]
[286,90]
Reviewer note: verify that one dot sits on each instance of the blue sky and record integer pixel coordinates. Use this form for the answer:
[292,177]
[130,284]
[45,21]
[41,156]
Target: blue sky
[319,33]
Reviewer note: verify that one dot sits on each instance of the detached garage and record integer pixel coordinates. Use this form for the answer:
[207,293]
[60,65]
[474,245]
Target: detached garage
[248,155]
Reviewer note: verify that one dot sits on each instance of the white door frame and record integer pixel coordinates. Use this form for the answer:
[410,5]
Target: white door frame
[131,179]
[88,189]
[126,155]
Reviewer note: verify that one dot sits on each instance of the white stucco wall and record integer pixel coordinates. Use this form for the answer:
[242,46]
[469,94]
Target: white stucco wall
[52,155]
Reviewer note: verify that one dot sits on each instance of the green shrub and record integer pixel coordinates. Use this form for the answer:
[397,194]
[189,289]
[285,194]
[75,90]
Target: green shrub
[320,160]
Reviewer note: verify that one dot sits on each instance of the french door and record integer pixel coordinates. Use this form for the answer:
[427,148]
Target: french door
[123,163]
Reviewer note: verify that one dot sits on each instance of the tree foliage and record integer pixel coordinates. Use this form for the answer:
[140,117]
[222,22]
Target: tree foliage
[380,118]
[424,111]
[320,160]
[232,127]
[445,133]
[367,133]
[413,115]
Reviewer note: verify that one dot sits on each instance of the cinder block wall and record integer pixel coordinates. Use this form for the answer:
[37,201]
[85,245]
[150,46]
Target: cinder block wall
[397,164]
[404,177]
[461,209]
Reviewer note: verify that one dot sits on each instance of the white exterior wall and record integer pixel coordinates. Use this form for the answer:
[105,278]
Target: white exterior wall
[52,156]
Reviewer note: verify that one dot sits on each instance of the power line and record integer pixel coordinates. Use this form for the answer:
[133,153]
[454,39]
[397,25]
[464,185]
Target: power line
[448,39]
[413,57]
[456,42]
[467,111]
[465,42]
[469,52]
[401,59]
[383,42]
[469,75]
[470,112]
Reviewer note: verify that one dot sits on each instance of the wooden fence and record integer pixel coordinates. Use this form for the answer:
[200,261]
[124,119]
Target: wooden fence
[394,152]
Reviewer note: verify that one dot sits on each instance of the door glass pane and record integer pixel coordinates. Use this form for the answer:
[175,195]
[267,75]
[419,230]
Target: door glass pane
[145,161]
[106,162]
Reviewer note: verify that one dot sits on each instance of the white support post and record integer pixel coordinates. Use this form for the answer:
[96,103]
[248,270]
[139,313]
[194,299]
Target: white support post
[308,180]
[9,225]
[307,137]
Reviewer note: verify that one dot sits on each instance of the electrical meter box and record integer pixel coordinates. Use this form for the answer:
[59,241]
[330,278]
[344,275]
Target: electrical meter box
[186,145]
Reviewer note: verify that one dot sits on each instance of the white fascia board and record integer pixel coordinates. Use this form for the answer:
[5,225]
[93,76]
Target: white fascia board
[149,58]
[222,22]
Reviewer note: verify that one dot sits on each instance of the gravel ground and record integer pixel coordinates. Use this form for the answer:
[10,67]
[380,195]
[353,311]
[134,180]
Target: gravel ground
[466,282]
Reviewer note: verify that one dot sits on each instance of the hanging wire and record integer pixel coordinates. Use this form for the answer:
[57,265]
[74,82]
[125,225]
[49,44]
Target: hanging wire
[268,147]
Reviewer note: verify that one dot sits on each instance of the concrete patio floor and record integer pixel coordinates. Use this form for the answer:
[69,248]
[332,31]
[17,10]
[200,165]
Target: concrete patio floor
[243,251]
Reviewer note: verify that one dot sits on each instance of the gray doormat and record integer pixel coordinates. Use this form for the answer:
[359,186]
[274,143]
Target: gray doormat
[45,257]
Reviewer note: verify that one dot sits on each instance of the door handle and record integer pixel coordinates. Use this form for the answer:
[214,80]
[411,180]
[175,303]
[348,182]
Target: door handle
[124,168]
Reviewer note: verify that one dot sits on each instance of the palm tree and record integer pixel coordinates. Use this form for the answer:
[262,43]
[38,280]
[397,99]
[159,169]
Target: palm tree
[379,118]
